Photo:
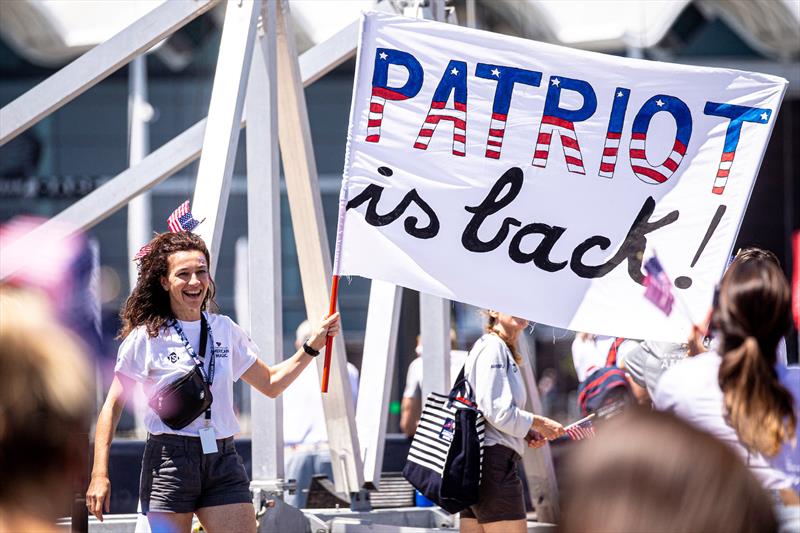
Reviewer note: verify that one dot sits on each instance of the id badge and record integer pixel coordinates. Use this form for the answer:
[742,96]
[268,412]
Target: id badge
[208,440]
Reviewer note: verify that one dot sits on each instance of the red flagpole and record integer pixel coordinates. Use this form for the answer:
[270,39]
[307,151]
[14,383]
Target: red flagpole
[329,341]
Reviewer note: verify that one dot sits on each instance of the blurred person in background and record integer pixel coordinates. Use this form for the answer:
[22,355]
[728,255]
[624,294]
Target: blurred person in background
[648,361]
[733,391]
[411,404]
[651,359]
[163,318]
[592,352]
[493,372]
[305,434]
[45,394]
[604,388]
[651,471]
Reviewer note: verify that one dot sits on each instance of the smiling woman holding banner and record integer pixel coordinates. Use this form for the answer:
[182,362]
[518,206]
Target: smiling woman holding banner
[491,368]
[187,360]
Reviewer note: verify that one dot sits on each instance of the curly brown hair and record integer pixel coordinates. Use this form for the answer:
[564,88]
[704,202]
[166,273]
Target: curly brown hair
[148,304]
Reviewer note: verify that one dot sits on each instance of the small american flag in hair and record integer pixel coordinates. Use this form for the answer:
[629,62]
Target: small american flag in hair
[181,219]
[143,251]
[582,429]
[658,286]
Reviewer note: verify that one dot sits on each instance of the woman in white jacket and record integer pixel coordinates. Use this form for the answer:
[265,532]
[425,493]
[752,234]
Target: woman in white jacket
[492,370]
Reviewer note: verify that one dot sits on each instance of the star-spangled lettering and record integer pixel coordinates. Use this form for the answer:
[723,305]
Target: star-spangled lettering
[555,119]
[506,79]
[456,85]
[561,121]
[614,133]
[640,165]
[737,116]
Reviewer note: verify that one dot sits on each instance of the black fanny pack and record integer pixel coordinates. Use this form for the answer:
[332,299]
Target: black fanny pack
[182,401]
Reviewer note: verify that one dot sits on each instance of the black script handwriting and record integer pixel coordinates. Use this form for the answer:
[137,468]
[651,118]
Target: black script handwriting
[632,247]
[541,255]
[491,205]
[505,191]
[373,193]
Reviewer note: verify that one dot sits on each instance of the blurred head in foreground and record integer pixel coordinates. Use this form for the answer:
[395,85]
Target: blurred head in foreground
[44,400]
[653,472]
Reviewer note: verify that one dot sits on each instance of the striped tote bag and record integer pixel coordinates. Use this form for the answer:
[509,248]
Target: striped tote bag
[444,462]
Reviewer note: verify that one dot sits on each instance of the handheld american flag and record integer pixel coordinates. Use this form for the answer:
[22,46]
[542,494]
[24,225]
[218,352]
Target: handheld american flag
[582,429]
[181,219]
[658,286]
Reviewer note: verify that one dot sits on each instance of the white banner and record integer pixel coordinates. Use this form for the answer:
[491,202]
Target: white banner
[535,179]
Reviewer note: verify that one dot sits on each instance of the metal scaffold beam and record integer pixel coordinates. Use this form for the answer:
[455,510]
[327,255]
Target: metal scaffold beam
[96,64]
[170,158]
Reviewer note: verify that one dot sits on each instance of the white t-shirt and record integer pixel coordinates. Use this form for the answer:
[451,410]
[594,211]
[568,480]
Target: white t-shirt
[690,389]
[499,392]
[590,354]
[158,361]
[414,375]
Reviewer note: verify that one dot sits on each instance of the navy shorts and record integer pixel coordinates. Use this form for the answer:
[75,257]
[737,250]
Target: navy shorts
[500,496]
[177,477]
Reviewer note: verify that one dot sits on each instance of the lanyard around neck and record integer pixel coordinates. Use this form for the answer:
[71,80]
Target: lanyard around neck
[205,335]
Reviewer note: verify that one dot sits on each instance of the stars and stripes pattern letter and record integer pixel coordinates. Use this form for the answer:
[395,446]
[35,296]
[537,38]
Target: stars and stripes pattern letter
[454,81]
[638,147]
[738,115]
[614,133]
[382,92]
[557,120]
[506,78]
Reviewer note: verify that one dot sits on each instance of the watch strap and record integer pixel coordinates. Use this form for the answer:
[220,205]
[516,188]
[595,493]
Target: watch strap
[309,350]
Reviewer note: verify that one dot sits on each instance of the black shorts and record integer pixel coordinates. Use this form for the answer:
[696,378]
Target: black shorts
[177,477]
[500,496]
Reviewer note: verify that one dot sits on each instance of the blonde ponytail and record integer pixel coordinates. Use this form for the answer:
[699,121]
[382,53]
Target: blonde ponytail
[758,407]
[751,316]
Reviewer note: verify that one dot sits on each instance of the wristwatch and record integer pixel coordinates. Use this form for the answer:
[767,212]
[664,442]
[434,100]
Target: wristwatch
[309,350]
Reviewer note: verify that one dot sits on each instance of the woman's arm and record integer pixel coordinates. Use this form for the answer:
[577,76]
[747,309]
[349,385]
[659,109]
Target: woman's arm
[493,392]
[494,396]
[410,413]
[273,380]
[98,495]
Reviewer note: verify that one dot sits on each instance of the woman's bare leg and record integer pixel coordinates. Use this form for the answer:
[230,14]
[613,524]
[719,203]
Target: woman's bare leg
[470,525]
[234,517]
[169,522]
[506,526]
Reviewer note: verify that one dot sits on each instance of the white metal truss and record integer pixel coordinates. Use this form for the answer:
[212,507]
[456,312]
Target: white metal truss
[264,261]
[313,253]
[96,64]
[162,163]
[377,367]
[221,137]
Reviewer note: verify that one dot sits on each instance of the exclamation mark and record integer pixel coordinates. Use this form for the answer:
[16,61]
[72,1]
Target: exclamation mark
[684,282]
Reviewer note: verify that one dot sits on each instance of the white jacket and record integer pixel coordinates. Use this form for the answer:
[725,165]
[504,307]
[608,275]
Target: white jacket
[499,392]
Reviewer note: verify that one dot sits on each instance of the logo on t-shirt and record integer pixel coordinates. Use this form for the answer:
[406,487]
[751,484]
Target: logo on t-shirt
[220,350]
[173,357]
